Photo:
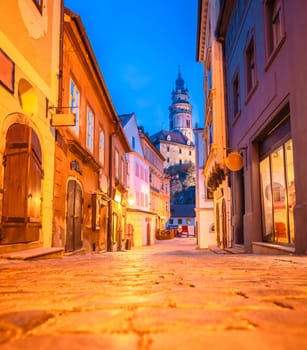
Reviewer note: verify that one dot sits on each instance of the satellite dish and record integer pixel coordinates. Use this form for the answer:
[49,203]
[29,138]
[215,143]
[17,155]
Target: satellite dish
[234,161]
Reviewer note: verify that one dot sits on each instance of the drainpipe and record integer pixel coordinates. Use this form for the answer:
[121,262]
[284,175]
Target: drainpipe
[61,58]
[110,211]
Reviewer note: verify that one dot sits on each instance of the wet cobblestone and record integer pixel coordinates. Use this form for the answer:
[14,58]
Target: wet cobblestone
[166,296]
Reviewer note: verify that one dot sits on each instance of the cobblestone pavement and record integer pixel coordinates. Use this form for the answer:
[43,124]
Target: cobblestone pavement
[167,296]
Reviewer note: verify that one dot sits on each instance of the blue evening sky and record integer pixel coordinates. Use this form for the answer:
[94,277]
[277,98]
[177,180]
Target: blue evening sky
[139,45]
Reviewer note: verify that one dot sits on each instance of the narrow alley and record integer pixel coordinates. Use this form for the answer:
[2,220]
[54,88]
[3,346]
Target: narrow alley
[166,296]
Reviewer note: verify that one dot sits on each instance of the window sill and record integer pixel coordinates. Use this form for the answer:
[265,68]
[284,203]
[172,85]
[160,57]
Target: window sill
[236,118]
[251,93]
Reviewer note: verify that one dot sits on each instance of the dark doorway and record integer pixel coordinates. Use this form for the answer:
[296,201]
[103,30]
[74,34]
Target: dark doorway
[148,234]
[74,216]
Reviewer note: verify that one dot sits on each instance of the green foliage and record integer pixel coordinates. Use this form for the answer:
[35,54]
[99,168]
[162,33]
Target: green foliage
[182,183]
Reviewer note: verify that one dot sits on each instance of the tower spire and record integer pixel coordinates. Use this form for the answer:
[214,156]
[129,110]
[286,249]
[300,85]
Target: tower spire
[180,116]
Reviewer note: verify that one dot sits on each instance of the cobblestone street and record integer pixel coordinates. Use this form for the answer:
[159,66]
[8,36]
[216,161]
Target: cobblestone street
[166,296]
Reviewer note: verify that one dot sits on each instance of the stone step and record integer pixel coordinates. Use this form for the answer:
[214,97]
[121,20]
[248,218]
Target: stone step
[34,254]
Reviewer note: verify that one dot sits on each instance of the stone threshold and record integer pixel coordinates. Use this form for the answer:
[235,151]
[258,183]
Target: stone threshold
[270,248]
[34,254]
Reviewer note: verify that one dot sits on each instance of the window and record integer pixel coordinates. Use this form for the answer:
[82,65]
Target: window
[7,71]
[74,104]
[180,150]
[167,149]
[236,95]
[188,123]
[39,5]
[179,221]
[274,30]
[250,66]
[278,195]
[133,142]
[122,172]
[277,182]
[116,164]
[90,129]
[101,146]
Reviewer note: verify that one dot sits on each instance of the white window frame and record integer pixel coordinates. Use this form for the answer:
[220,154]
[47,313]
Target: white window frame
[74,104]
[90,123]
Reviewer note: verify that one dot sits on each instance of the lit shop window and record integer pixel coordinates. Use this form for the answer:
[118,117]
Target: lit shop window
[278,194]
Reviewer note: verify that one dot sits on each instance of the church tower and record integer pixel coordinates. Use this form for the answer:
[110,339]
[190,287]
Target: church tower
[180,111]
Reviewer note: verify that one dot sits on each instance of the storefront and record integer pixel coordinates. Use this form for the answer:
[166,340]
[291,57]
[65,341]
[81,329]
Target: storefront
[277,184]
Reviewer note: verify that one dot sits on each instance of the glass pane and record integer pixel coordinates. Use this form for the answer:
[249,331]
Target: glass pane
[266,197]
[290,186]
[279,196]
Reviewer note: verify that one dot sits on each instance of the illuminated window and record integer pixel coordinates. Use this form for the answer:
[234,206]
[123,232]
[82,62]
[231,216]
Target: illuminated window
[90,129]
[74,103]
[101,147]
[278,194]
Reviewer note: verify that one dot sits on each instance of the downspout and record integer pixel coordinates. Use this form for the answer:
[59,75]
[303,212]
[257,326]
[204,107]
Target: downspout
[61,59]
[110,212]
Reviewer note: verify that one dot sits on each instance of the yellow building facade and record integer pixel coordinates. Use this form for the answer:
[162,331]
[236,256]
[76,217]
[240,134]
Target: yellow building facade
[29,71]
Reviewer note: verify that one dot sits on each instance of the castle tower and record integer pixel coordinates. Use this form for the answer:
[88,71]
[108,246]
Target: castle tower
[180,111]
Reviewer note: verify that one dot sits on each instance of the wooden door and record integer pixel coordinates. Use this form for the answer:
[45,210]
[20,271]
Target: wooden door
[148,234]
[21,205]
[74,216]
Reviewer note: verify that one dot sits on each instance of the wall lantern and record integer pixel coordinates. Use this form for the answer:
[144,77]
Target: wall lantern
[234,161]
[117,196]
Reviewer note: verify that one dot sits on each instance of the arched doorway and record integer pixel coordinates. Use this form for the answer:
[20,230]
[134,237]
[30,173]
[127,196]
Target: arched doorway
[22,183]
[74,216]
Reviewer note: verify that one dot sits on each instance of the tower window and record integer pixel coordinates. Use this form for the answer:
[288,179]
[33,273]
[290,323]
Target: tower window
[188,123]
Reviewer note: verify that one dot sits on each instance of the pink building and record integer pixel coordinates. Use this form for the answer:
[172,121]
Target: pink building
[266,101]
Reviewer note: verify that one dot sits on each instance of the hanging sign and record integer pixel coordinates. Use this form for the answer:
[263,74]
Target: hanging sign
[234,161]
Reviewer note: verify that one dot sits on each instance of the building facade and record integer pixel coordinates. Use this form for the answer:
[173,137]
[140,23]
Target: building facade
[90,155]
[29,72]
[204,215]
[209,51]
[140,219]
[159,183]
[265,75]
